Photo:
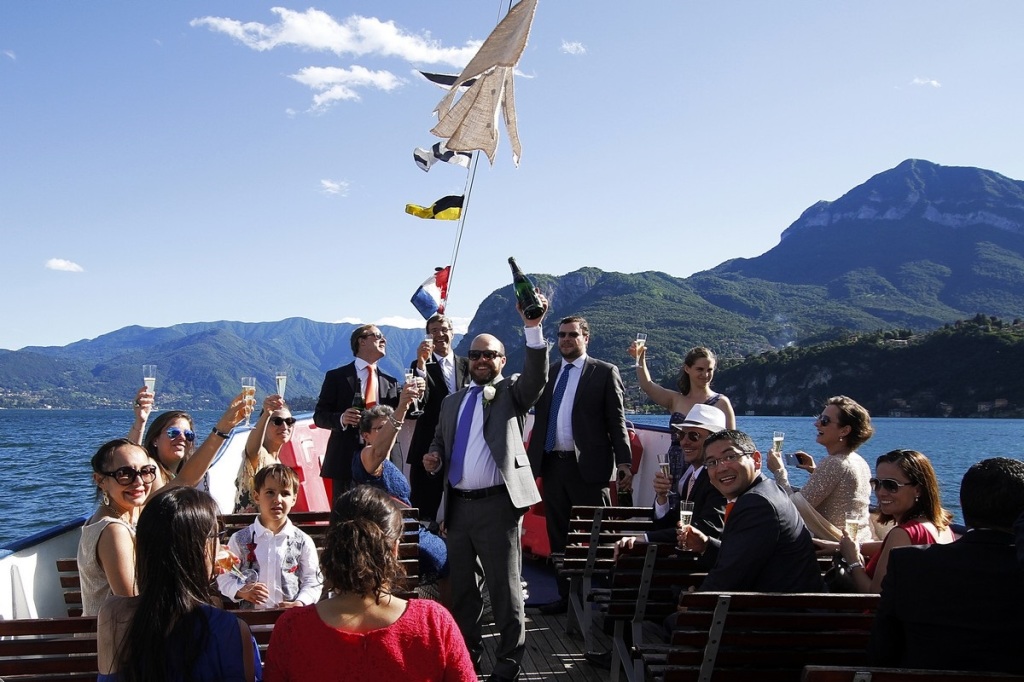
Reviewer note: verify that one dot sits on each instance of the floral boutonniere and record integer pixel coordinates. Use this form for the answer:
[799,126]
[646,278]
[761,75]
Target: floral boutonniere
[489,392]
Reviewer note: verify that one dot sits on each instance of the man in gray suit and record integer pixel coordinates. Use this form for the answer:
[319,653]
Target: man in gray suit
[478,448]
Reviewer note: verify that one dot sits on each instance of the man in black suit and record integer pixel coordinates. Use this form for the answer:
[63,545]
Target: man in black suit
[694,485]
[445,373]
[334,409]
[478,451]
[579,437]
[958,606]
[765,546]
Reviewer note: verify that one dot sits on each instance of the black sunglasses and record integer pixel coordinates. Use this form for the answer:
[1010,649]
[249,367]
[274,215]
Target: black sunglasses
[485,354]
[376,335]
[174,432]
[571,335]
[824,419]
[127,475]
[277,421]
[692,435]
[889,485]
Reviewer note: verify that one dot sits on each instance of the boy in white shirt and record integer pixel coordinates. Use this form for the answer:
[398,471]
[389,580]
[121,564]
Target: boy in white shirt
[284,557]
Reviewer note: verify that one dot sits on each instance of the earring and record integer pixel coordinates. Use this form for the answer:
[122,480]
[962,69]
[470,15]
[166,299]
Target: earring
[105,499]
[917,498]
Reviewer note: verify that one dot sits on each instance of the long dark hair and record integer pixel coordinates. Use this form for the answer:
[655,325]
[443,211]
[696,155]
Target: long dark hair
[168,628]
[158,426]
[359,553]
[916,467]
[692,357]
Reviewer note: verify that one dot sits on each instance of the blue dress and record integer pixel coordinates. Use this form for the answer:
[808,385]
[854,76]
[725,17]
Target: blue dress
[221,658]
[433,550]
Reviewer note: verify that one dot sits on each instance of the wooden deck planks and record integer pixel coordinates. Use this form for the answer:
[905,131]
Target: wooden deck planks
[550,653]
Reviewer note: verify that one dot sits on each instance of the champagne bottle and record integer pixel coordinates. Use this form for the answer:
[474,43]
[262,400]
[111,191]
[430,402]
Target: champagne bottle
[357,400]
[525,294]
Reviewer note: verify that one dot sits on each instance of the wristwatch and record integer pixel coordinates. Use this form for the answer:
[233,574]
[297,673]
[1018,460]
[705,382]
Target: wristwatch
[223,435]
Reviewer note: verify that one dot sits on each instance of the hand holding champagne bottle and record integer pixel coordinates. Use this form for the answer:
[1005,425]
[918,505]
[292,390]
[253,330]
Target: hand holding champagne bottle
[526,293]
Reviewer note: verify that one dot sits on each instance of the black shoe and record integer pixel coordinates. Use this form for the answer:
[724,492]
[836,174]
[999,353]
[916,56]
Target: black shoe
[602,659]
[505,670]
[554,608]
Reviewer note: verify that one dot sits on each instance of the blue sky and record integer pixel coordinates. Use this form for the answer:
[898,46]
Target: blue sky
[187,161]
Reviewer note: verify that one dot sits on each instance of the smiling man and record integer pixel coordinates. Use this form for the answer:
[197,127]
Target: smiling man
[765,546]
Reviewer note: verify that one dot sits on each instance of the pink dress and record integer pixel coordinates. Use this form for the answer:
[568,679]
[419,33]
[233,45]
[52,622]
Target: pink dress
[423,644]
[919,535]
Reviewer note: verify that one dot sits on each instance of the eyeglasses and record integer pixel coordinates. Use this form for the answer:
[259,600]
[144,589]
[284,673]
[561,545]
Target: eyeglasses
[485,354]
[824,419]
[571,335]
[127,475]
[219,533]
[889,485]
[439,332]
[277,421]
[694,436]
[376,335]
[175,432]
[713,463]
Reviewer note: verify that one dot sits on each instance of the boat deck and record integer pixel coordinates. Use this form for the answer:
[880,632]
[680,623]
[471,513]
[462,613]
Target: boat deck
[550,653]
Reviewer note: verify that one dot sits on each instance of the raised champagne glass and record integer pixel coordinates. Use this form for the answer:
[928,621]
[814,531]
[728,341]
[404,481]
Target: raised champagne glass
[249,393]
[414,406]
[149,378]
[281,379]
[641,339]
[778,437]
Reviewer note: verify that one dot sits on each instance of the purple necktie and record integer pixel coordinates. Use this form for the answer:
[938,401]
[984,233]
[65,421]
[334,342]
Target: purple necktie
[458,461]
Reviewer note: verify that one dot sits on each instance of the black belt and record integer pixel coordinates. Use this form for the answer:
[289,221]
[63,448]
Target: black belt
[479,493]
[562,454]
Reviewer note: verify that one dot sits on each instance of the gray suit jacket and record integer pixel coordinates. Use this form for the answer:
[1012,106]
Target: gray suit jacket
[503,427]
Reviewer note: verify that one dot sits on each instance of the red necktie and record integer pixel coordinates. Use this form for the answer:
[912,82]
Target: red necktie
[370,396]
[728,508]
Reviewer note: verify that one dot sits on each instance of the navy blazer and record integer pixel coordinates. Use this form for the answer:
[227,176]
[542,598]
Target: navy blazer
[336,394]
[708,513]
[765,546]
[952,607]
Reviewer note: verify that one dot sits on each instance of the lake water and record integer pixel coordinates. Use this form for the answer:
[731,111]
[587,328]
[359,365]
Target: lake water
[45,454]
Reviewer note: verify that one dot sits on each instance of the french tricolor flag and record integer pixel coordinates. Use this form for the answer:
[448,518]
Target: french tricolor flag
[432,294]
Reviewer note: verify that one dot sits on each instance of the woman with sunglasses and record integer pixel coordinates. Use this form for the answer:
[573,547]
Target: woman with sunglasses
[838,488]
[262,449]
[170,631]
[908,494]
[126,476]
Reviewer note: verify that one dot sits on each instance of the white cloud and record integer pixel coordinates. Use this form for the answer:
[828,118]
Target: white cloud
[334,83]
[63,265]
[339,187]
[576,48]
[931,82]
[348,320]
[10,54]
[358,36]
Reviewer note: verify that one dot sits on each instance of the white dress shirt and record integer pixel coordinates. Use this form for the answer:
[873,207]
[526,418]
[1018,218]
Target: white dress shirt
[288,564]
[563,433]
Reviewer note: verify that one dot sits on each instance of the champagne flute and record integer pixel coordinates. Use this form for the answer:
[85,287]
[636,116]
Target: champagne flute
[685,512]
[429,340]
[641,340]
[249,393]
[281,379]
[778,437]
[149,378]
[664,465]
[414,407]
[852,525]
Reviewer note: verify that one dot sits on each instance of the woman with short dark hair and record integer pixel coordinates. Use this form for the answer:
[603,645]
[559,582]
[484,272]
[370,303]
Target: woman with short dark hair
[362,628]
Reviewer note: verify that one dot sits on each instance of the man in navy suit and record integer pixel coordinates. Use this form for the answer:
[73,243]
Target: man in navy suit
[579,437]
[334,409]
[958,606]
[444,373]
[478,449]
[765,546]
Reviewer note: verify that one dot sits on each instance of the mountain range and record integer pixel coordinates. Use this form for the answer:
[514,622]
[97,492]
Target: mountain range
[914,247]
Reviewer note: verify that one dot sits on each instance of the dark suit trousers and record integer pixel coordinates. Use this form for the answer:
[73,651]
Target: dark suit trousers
[484,534]
[563,489]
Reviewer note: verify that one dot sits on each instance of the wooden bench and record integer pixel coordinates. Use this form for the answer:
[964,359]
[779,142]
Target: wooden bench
[763,636]
[822,673]
[644,588]
[64,649]
[589,556]
[312,523]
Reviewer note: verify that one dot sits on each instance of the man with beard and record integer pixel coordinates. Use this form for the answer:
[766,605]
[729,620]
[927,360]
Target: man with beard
[478,448]
[579,438]
[765,546]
